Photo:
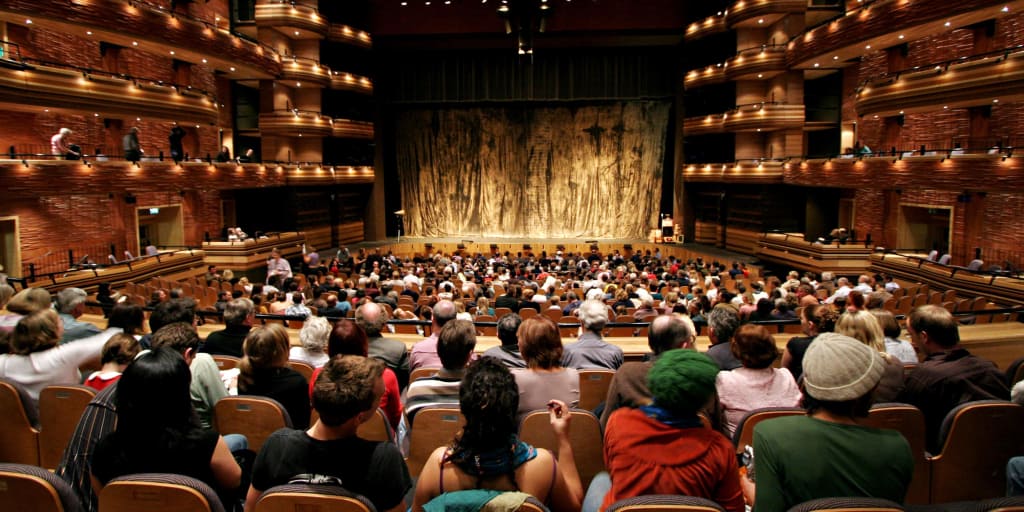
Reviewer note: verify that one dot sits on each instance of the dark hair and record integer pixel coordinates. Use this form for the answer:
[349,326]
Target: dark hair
[938,323]
[179,336]
[455,343]
[859,407]
[540,343]
[347,338]
[890,327]
[824,316]
[345,388]
[667,332]
[171,311]
[121,348]
[153,397]
[507,327]
[128,317]
[489,400]
[754,346]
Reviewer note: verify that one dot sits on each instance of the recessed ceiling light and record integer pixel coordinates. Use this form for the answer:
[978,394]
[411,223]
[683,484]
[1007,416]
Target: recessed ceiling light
[868,47]
[948,23]
[816,64]
[232,68]
[759,75]
[945,107]
[835,57]
[1006,8]
[900,36]
[88,32]
[28,22]
[135,43]
[296,32]
[204,61]
[172,52]
[995,100]
[901,112]
[761,20]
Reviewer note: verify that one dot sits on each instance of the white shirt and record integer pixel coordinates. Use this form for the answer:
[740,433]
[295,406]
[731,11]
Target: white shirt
[58,365]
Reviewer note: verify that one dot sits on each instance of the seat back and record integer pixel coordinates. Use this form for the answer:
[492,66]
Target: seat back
[585,436]
[28,488]
[570,331]
[377,428]
[226,362]
[500,312]
[18,420]
[307,497]
[422,372]
[305,369]
[744,434]
[435,426]
[908,421]
[664,503]
[848,504]
[487,330]
[255,417]
[60,407]
[158,492]
[977,439]
[594,386]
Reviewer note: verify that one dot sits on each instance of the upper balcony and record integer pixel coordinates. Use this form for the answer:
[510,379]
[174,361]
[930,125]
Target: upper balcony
[24,83]
[349,129]
[346,34]
[762,13]
[709,26]
[711,75]
[341,81]
[758,63]
[886,23]
[741,171]
[302,70]
[295,20]
[967,82]
[704,125]
[764,117]
[148,28]
[295,123]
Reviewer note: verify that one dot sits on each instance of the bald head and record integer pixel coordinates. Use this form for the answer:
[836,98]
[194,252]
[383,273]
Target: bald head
[444,312]
[371,317]
[669,332]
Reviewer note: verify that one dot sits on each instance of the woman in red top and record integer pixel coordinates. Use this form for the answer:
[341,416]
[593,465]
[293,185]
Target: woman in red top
[118,351]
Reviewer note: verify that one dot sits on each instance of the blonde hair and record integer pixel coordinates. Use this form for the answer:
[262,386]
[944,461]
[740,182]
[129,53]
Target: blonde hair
[265,347]
[29,301]
[862,326]
[35,332]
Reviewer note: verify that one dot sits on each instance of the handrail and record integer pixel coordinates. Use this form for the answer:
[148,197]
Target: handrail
[213,26]
[892,76]
[762,48]
[1014,273]
[88,72]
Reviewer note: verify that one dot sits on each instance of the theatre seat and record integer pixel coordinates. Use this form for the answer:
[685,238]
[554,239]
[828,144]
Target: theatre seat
[376,428]
[255,417]
[908,421]
[853,504]
[744,434]
[19,419]
[26,488]
[594,386]
[435,426]
[585,436]
[158,492]
[308,497]
[665,503]
[60,407]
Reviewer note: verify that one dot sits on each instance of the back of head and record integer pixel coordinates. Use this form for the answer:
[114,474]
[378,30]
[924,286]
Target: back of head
[153,394]
[120,349]
[347,338]
[824,316]
[29,301]
[668,332]
[723,320]
[6,292]
[237,311]
[444,312]
[754,346]
[179,336]
[839,371]
[266,346]
[890,327]
[593,315]
[371,317]
[682,381]
[70,298]
[35,332]
[938,323]
[314,334]
[128,317]
[489,400]
[345,388]
[540,343]
[507,327]
[455,344]
[172,311]
[862,326]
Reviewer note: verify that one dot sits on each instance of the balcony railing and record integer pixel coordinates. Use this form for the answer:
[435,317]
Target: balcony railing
[295,123]
[346,34]
[757,63]
[341,81]
[710,75]
[969,81]
[709,26]
[746,171]
[755,12]
[349,129]
[704,125]
[304,71]
[753,117]
[291,16]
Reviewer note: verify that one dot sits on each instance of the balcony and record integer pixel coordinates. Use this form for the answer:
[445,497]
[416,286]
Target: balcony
[91,92]
[349,129]
[709,26]
[704,125]
[759,63]
[296,21]
[346,34]
[303,70]
[887,23]
[743,171]
[295,123]
[975,81]
[762,13]
[710,75]
[348,82]
[764,117]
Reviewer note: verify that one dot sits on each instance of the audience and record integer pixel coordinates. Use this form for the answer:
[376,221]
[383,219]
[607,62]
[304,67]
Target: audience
[424,353]
[864,327]
[24,303]
[371,317]
[455,345]
[118,351]
[814,319]
[239,315]
[71,306]
[508,351]
[590,351]
[897,348]
[207,387]
[544,378]
[264,371]
[314,335]
[723,320]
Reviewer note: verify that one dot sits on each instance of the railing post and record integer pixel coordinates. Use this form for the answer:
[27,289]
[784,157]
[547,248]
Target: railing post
[71,258]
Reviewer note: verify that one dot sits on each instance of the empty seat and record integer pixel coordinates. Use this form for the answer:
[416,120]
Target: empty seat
[594,386]
[255,417]
[60,407]
[19,419]
[27,488]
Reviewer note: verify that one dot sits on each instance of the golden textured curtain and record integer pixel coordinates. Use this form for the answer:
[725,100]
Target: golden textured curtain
[539,172]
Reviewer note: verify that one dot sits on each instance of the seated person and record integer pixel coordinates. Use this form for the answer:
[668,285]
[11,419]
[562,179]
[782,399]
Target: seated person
[664,448]
[118,351]
[264,371]
[489,457]
[828,453]
[455,346]
[544,378]
[239,315]
[590,351]
[345,395]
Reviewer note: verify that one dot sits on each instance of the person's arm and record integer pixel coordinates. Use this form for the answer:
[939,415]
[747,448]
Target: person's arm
[768,491]
[429,480]
[787,360]
[251,498]
[225,470]
[568,491]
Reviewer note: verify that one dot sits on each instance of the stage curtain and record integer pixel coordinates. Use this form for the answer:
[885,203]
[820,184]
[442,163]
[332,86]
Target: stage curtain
[572,171]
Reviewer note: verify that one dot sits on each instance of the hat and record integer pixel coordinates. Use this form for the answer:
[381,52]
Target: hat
[682,380]
[838,368]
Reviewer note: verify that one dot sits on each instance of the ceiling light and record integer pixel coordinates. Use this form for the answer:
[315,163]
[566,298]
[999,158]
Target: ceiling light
[296,32]
[204,61]
[172,52]
[995,100]
[232,68]
[761,20]
[901,112]
[816,64]
[945,107]
[88,32]
[1006,8]
[868,47]
[28,22]
[900,37]
[835,57]
[135,43]
[948,23]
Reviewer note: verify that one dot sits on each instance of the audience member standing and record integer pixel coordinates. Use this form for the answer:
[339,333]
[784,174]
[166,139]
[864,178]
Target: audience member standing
[132,148]
[177,150]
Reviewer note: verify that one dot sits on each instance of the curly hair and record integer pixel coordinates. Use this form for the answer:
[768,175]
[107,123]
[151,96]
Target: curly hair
[823,316]
[489,400]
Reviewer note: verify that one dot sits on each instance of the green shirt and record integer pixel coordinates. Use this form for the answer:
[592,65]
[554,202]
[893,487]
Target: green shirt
[799,458]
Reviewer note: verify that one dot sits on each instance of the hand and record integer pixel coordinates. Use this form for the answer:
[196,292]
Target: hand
[560,417]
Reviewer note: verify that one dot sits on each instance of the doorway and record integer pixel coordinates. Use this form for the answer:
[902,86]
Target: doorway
[160,226]
[10,248]
[923,227]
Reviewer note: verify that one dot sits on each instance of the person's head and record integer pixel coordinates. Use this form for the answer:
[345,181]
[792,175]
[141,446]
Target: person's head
[593,315]
[933,329]
[120,349]
[765,307]
[444,311]
[314,334]
[179,336]
[754,346]
[153,395]
[508,325]
[371,318]
[266,346]
[129,317]
[6,292]
[71,301]
[172,311]
[455,344]
[29,301]
[133,130]
[723,320]
[239,312]
[489,400]
[540,343]
[347,338]
[862,326]
[819,318]
[669,332]
[840,375]
[274,253]
[64,132]
[37,331]
[349,386]
[682,381]
[890,327]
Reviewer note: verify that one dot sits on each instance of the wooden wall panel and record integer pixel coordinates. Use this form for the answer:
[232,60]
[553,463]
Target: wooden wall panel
[584,171]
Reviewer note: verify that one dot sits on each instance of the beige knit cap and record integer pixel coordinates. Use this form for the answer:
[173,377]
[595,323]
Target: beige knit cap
[839,368]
